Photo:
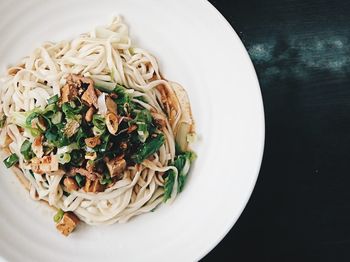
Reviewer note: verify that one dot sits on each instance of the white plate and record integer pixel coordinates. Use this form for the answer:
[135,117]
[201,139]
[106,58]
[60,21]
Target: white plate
[197,48]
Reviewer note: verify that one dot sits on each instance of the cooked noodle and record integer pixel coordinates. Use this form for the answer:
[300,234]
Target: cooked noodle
[104,55]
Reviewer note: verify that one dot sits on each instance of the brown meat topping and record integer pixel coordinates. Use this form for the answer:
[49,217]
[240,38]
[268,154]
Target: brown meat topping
[93,141]
[75,86]
[116,166]
[89,97]
[159,119]
[111,105]
[68,223]
[89,114]
[88,174]
[93,186]
[131,128]
[70,184]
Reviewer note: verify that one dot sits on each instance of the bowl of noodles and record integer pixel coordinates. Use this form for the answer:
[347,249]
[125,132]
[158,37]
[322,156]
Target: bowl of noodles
[126,137]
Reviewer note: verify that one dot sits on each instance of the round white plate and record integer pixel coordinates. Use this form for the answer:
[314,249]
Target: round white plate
[195,47]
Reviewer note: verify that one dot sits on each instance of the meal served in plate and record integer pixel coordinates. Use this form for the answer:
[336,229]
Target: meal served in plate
[91,127]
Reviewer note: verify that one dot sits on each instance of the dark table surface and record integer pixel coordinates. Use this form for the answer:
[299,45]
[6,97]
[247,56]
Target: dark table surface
[300,207]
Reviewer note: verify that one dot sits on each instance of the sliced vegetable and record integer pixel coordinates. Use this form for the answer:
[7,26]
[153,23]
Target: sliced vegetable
[59,215]
[64,158]
[80,180]
[99,122]
[26,150]
[168,185]
[182,164]
[56,118]
[106,179]
[71,110]
[53,99]
[149,148]
[77,157]
[11,160]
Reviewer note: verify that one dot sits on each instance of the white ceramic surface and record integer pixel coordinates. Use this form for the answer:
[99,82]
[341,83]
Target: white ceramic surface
[195,47]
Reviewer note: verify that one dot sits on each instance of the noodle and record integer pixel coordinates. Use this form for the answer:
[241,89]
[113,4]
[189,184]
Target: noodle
[106,56]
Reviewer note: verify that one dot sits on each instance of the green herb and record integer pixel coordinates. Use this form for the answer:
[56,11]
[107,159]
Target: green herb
[11,160]
[180,163]
[71,110]
[31,117]
[99,122]
[106,179]
[26,150]
[105,139]
[143,120]
[80,137]
[59,215]
[49,110]
[147,149]
[56,118]
[77,157]
[80,180]
[123,100]
[168,185]
[2,121]
[53,99]
[104,86]
[52,134]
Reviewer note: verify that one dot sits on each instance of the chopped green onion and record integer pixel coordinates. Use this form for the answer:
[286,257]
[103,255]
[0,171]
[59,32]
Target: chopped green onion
[59,215]
[71,110]
[104,142]
[97,132]
[149,148]
[52,134]
[80,180]
[49,110]
[26,150]
[104,86]
[52,99]
[31,117]
[106,179]
[56,118]
[11,160]
[99,121]
[77,157]
[168,185]
[64,158]
[142,131]
[34,132]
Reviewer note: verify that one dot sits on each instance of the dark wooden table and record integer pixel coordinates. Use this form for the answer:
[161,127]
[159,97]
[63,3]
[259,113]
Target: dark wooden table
[300,207]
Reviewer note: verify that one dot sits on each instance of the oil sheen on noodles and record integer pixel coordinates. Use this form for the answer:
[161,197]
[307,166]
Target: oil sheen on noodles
[102,54]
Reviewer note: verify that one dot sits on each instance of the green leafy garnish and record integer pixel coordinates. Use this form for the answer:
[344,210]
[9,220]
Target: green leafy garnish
[53,99]
[147,149]
[11,160]
[106,179]
[71,110]
[99,122]
[180,164]
[143,120]
[77,157]
[80,180]
[168,185]
[123,100]
[26,150]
